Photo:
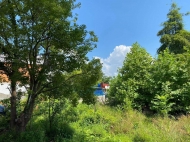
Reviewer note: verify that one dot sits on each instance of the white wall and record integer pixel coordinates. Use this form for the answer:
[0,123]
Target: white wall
[5,90]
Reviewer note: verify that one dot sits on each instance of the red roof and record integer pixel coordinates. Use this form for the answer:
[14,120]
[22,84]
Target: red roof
[103,85]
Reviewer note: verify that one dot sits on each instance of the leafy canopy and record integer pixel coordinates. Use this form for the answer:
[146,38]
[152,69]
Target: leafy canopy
[41,40]
[131,83]
[173,35]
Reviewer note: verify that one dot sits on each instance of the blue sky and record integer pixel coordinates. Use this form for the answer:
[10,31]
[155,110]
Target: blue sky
[120,23]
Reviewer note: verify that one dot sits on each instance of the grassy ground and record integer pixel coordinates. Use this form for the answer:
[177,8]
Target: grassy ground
[97,123]
[113,125]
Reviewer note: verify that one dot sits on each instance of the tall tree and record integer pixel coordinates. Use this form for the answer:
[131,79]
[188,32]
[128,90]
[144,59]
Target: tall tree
[173,36]
[40,40]
[131,84]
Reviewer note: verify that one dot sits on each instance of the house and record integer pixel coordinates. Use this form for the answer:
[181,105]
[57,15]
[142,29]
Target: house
[101,91]
[105,86]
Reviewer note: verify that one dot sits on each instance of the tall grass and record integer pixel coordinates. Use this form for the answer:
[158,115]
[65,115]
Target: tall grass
[100,123]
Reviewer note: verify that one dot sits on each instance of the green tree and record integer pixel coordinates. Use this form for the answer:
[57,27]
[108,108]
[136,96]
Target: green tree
[40,40]
[173,36]
[83,80]
[131,85]
[116,95]
[75,85]
[170,80]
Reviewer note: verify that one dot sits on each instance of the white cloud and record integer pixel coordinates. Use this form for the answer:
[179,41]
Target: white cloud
[115,60]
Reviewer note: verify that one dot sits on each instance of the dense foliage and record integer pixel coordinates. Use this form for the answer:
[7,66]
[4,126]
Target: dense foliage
[159,85]
[40,40]
[52,51]
[173,36]
[131,84]
[99,123]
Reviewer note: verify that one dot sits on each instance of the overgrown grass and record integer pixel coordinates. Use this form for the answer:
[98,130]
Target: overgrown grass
[99,123]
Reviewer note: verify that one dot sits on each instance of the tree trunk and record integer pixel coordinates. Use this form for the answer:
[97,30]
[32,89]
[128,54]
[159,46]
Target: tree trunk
[19,123]
[26,115]
[13,105]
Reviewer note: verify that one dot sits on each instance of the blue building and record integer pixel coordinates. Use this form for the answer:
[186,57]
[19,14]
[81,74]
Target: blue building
[100,93]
